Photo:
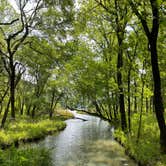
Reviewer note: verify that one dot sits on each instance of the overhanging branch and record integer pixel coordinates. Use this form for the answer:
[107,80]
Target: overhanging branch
[9,23]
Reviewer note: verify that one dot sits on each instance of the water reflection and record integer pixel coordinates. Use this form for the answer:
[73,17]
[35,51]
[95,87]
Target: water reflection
[86,143]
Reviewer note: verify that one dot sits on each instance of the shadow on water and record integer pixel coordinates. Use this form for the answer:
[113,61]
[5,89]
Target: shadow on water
[86,143]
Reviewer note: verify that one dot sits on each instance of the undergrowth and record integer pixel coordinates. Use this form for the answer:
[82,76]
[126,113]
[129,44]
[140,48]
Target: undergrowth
[25,157]
[146,150]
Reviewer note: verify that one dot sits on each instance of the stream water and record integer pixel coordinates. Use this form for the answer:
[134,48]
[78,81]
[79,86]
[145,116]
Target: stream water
[86,143]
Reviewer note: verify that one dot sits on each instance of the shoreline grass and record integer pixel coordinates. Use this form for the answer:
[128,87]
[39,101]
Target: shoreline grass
[24,130]
[27,130]
[147,150]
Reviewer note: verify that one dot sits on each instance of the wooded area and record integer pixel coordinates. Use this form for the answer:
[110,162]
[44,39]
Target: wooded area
[98,56]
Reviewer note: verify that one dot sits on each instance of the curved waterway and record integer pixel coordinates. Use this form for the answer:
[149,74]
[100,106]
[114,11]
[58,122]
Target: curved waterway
[86,143]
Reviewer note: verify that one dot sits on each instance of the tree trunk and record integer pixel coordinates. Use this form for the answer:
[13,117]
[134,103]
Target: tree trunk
[22,108]
[28,110]
[152,36]
[51,106]
[151,104]
[135,97]
[158,103]
[147,105]
[2,98]
[114,106]
[120,29]
[33,111]
[141,111]
[129,103]
[98,110]
[5,115]
[120,86]
[12,87]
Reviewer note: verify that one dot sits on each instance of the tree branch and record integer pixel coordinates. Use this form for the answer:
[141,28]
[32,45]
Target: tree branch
[9,23]
[140,17]
[102,5]
[155,12]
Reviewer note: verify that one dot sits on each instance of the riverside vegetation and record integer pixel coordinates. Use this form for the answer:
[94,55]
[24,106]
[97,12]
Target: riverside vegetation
[85,55]
[145,150]
[26,130]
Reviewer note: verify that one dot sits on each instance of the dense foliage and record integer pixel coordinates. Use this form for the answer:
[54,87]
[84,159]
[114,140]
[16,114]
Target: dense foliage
[98,56]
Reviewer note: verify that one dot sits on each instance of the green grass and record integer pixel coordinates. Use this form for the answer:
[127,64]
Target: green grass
[25,157]
[147,150]
[63,114]
[25,130]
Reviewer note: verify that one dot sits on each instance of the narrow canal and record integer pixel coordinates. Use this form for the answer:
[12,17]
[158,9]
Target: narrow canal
[86,143]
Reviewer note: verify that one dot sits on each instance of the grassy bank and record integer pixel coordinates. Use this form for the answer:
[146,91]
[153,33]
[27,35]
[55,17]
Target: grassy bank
[28,130]
[25,129]
[146,151]
[63,114]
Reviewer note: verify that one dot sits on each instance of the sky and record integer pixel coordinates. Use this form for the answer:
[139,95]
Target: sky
[13,3]
[28,6]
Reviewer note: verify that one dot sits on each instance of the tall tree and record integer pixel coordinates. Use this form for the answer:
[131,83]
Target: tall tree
[14,33]
[152,36]
[117,15]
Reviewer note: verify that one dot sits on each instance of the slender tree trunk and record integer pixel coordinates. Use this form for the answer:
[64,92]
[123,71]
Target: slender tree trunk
[33,111]
[120,29]
[22,108]
[114,107]
[98,110]
[152,36]
[147,105]
[109,110]
[135,97]
[120,86]
[28,109]
[141,111]
[129,107]
[51,106]
[109,114]
[5,115]
[1,107]
[12,87]
[151,104]
[158,102]
[2,99]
